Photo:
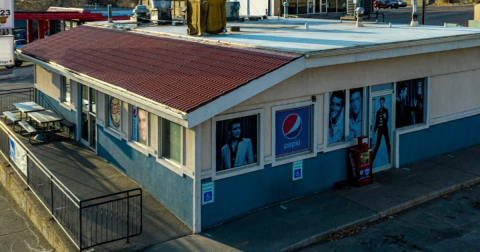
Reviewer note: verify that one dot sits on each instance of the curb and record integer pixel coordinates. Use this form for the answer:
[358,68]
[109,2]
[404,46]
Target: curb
[396,209]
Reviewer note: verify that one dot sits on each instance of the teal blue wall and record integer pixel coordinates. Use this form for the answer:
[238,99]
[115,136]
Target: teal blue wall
[238,195]
[173,190]
[439,139]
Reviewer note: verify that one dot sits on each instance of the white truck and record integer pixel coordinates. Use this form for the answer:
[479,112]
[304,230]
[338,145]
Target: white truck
[7,56]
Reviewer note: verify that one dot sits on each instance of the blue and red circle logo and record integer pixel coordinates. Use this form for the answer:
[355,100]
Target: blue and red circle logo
[292,126]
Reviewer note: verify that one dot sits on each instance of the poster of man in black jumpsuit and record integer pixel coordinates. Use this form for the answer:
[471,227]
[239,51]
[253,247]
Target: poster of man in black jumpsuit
[381,130]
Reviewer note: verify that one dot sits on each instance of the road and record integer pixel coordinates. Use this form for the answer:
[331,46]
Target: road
[435,15]
[22,82]
[25,64]
[18,232]
[450,223]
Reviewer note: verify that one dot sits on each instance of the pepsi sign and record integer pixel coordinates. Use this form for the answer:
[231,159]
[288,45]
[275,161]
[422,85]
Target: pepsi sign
[292,131]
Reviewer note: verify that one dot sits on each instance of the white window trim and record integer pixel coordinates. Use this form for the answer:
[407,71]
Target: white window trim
[133,144]
[63,92]
[114,132]
[260,147]
[177,168]
[327,147]
[313,129]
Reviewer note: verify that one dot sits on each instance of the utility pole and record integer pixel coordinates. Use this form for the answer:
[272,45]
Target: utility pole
[424,9]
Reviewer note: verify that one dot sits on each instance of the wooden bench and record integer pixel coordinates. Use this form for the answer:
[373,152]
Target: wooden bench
[31,130]
[11,117]
[68,125]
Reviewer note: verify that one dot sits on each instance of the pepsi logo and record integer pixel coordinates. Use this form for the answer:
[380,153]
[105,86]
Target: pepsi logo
[292,126]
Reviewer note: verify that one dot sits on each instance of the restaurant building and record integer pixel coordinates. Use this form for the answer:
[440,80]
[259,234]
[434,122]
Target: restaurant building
[218,126]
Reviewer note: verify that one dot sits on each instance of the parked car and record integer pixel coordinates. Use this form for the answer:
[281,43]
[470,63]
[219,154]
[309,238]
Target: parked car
[379,4]
[20,42]
[402,3]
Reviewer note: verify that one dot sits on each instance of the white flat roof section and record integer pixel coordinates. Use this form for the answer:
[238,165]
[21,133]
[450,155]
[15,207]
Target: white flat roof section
[292,35]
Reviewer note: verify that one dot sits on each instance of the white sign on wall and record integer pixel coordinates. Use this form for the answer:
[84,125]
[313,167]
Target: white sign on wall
[6,50]
[6,14]
[18,156]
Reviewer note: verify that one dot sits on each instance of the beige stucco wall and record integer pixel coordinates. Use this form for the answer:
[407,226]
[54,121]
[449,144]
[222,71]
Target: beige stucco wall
[446,69]
[476,12]
[189,149]
[47,82]
[153,128]
[206,143]
[454,93]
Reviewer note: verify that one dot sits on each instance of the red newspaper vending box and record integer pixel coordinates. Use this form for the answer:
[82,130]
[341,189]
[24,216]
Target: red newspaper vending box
[360,163]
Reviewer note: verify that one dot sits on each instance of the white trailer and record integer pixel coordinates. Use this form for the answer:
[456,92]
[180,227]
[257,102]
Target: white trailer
[7,57]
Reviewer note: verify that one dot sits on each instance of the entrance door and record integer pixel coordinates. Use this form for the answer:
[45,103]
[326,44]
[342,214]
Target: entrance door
[380,129]
[88,117]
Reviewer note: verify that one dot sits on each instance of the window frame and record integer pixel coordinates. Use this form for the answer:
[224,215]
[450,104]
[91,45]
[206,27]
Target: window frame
[63,91]
[259,165]
[143,148]
[112,131]
[170,164]
[327,147]
[313,134]
[426,96]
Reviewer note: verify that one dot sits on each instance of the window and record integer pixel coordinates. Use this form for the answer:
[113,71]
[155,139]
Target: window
[293,133]
[410,102]
[139,125]
[65,90]
[114,113]
[345,115]
[236,142]
[171,141]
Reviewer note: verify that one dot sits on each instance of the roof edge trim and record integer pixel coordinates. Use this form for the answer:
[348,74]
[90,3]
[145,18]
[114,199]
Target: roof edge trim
[387,46]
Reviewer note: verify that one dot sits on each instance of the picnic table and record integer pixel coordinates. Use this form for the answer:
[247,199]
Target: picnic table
[46,117]
[27,107]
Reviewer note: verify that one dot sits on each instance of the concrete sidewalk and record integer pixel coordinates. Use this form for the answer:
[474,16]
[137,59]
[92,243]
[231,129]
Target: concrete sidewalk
[304,221]
[284,227]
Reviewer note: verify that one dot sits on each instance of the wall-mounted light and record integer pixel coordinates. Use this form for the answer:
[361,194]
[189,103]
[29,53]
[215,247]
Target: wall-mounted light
[314,98]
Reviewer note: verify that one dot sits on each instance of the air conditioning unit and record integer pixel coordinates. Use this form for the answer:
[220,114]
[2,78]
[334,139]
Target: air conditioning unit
[232,8]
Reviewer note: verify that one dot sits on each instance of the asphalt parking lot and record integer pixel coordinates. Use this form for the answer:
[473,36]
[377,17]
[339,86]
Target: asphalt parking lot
[434,15]
[449,223]
[18,233]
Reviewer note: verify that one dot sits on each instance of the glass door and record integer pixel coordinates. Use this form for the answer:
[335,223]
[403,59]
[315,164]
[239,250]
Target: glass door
[88,117]
[380,129]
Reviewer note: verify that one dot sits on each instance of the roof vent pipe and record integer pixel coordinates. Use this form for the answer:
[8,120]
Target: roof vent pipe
[110,13]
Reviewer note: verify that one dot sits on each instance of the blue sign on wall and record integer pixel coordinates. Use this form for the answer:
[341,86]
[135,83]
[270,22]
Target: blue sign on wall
[208,195]
[292,131]
[297,170]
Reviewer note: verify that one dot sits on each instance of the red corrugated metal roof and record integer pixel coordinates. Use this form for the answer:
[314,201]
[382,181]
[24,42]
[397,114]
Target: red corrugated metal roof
[181,74]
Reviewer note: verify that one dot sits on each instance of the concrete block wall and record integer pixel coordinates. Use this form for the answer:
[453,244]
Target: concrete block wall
[34,209]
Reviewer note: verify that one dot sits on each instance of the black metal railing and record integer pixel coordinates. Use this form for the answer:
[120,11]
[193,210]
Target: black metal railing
[110,218]
[8,97]
[88,222]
